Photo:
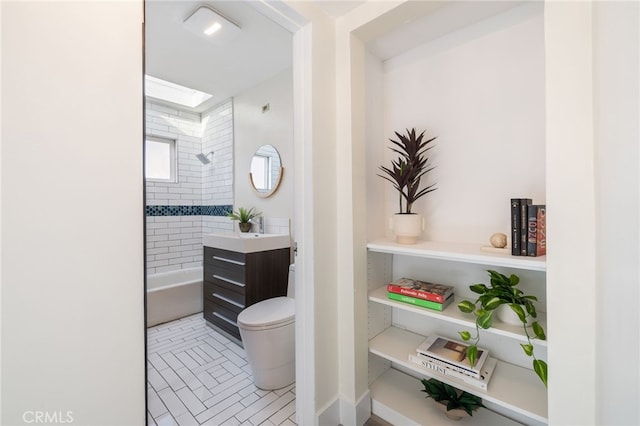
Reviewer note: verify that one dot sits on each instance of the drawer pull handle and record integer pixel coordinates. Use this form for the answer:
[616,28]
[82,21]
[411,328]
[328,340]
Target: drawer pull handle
[223,259]
[225,319]
[227,280]
[226,299]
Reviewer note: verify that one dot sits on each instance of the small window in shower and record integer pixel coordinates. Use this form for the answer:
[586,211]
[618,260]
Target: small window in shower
[160,159]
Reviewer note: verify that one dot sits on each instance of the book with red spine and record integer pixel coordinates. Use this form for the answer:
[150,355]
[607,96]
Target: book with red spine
[420,289]
[536,230]
[541,231]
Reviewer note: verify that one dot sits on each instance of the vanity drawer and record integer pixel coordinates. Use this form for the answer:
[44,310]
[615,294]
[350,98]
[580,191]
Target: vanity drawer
[230,277]
[221,317]
[212,254]
[218,294]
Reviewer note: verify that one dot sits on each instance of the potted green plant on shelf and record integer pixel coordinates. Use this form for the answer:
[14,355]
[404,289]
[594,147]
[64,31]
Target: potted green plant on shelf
[405,174]
[455,403]
[502,295]
[244,216]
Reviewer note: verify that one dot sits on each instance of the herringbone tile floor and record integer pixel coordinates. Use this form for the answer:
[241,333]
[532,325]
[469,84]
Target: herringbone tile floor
[196,376]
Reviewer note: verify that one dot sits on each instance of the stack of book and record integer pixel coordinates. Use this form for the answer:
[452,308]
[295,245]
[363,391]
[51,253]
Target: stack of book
[420,293]
[528,228]
[448,358]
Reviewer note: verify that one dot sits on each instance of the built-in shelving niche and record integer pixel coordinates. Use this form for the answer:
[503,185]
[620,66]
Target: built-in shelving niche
[472,74]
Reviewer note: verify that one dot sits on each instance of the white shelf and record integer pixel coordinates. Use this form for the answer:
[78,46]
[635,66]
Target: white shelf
[453,315]
[397,398]
[512,387]
[468,253]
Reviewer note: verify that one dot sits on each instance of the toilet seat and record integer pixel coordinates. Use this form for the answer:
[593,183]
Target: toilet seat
[270,313]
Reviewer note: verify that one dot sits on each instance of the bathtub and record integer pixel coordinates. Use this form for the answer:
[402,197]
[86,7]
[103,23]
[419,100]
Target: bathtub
[172,295]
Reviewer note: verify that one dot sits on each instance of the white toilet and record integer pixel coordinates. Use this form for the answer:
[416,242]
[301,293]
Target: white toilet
[267,330]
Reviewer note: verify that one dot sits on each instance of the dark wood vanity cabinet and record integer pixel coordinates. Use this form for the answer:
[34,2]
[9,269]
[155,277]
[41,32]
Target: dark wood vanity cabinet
[234,281]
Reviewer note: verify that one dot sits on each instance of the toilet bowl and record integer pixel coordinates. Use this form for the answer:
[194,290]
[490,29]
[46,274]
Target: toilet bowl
[267,330]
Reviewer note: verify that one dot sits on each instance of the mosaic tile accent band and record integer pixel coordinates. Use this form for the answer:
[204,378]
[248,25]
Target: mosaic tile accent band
[221,210]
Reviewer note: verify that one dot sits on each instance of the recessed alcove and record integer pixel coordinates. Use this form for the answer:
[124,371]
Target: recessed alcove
[472,74]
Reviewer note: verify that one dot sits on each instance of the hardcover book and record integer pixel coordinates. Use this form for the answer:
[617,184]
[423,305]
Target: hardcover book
[420,289]
[536,231]
[451,354]
[421,302]
[481,382]
[541,236]
[515,226]
[524,210]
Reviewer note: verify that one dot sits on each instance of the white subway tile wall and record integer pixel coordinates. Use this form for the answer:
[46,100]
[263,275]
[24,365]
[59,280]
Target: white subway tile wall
[276,225]
[175,242]
[217,136]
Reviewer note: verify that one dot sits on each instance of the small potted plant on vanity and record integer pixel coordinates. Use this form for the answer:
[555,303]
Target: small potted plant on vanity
[244,216]
[512,307]
[455,403]
[405,175]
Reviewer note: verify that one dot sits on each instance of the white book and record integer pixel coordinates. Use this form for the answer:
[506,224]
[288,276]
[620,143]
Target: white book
[451,354]
[481,383]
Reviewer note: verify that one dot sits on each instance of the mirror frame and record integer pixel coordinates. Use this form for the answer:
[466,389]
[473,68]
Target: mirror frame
[274,187]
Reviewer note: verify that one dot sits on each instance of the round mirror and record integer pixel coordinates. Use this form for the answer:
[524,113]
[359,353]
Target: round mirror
[266,171]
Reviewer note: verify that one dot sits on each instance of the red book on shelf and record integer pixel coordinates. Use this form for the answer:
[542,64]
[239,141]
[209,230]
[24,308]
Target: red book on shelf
[541,248]
[537,230]
[420,289]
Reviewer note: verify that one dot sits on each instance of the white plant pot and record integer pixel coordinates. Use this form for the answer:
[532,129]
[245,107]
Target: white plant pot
[507,316]
[455,414]
[407,227]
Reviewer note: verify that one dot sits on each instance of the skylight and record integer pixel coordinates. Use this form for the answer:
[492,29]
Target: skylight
[171,92]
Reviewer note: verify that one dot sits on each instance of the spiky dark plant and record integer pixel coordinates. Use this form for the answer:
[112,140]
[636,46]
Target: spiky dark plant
[451,397]
[407,170]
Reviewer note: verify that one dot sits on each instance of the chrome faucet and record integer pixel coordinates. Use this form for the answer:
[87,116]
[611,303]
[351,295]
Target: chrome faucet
[260,223]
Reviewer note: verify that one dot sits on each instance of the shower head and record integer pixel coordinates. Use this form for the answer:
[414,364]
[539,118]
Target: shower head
[203,157]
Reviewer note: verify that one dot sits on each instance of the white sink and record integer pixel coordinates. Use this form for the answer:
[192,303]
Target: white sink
[248,242]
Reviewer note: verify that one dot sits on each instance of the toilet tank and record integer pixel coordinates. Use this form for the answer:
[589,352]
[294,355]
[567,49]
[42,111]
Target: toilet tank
[291,283]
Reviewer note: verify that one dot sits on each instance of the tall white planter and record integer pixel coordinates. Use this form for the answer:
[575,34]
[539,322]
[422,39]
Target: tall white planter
[407,227]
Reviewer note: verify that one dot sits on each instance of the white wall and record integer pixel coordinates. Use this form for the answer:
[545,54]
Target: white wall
[316,220]
[72,219]
[480,91]
[617,112]
[570,189]
[252,129]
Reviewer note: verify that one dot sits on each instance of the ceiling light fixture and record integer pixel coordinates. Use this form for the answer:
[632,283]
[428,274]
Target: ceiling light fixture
[213,28]
[209,24]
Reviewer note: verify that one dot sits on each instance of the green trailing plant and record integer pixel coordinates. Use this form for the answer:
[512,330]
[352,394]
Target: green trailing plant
[451,397]
[503,290]
[244,215]
[409,168]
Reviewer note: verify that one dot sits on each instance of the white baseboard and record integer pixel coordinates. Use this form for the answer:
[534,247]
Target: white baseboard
[329,415]
[356,414]
[341,412]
